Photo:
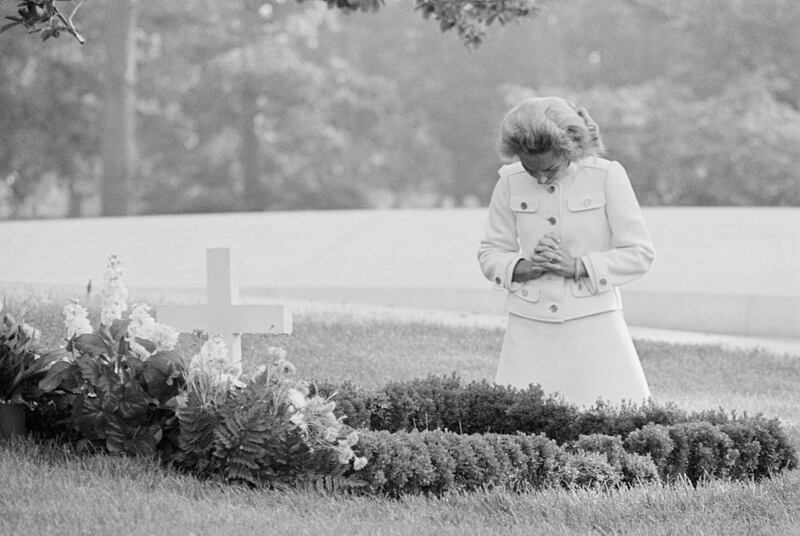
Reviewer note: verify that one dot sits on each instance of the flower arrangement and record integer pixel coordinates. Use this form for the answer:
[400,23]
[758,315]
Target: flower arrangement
[130,392]
[262,427]
[120,379]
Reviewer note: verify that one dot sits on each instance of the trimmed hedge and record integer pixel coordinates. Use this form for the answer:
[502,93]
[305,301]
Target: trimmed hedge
[442,402]
[680,444]
[435,436]
[438,461]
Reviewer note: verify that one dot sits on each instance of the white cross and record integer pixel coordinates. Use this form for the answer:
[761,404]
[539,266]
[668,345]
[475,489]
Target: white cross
[223,314]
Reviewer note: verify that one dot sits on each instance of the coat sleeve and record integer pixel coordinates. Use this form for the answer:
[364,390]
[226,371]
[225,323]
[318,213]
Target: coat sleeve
[499,250]
[632,252]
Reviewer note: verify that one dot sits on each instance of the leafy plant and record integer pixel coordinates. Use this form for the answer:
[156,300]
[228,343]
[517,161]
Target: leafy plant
[120,379]
[21,365]
[262,431]
[118,400]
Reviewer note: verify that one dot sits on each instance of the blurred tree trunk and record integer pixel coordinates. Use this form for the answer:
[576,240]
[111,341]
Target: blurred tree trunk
[119,123]
[249,154]
[75,199]
[249,146]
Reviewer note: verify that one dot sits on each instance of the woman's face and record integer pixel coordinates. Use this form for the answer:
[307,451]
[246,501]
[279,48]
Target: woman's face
[544,167]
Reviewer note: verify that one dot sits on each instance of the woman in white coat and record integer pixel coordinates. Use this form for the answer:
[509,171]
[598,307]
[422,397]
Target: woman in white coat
[564,231]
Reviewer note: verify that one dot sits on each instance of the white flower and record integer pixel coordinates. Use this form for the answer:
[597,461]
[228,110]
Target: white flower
[352,438]
[359,463]
[212,363]
[115,295]
[164,337]
[144,326]
[299,420]
[76,319]
[344,454]
[331,433]
[296,398]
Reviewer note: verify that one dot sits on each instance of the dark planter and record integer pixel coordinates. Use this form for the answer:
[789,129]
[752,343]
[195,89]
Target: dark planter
[12,420]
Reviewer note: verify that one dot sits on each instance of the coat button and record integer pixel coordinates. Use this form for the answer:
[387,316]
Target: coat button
[554,308]
[551,220]
[524,292]
[587,202]
[603,282]
[497,280]
[524,205]
[551,189]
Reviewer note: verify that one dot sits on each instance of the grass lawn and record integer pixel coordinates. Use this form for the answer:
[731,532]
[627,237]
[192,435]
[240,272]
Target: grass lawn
[45,491]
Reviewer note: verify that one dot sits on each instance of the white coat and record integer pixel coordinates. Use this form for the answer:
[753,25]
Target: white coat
[594,210]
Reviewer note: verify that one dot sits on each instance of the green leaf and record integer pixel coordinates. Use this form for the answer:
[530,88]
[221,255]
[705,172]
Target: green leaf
[9,25]
[162,375]
[89,368]
[92,343]
[133,401]
[89,418]
[58,376]
[45,361]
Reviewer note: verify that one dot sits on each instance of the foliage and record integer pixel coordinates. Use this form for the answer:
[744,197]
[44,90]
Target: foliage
[127,391]
[21,365]
[49,106]
[481,406]
[268,428]
[472,17]
[468,18]
[678,444]
[438,462]
[120,402]
[44,17]
[262,431]
[694,98]
[660,120]
[120,379]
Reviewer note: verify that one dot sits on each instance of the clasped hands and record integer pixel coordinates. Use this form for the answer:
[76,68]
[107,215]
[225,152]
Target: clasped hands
[550,255]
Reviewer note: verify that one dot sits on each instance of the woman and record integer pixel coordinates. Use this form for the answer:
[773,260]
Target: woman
[564,231]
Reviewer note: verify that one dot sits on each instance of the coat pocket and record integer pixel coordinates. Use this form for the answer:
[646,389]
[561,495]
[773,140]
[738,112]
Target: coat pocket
[581,288]
[590,201]
[528,293]
[524,204]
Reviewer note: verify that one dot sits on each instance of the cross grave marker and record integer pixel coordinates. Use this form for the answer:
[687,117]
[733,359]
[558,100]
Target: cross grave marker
[223,314]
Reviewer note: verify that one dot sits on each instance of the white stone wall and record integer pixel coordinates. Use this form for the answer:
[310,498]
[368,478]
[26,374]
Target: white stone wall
[724,270]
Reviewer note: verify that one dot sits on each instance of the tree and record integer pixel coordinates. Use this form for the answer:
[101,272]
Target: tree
[469,19]
[323,135]
[119,147]
[48,108]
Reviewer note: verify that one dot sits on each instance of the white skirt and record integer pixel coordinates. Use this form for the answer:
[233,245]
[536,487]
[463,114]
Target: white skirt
[583,359]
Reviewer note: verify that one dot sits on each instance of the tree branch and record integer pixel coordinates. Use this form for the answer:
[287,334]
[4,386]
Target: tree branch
[68,21]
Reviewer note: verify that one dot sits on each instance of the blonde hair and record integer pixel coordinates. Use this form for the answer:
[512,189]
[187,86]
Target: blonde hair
[541,124]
